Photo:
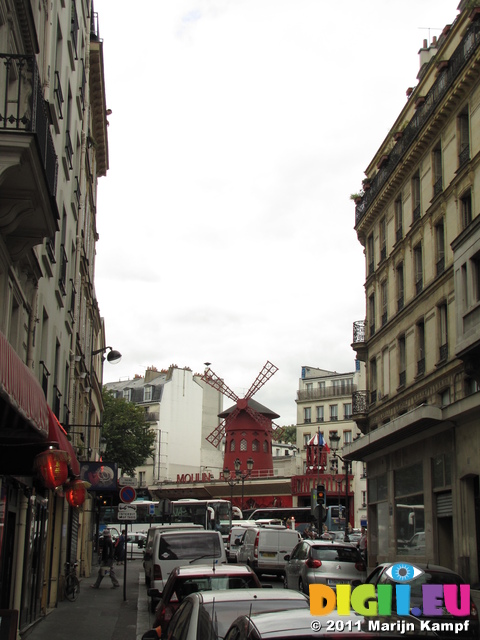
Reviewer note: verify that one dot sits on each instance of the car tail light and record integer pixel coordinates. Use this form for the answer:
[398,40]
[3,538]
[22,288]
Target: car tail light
[255,547]
[313,564]
[360,566]
[157,572]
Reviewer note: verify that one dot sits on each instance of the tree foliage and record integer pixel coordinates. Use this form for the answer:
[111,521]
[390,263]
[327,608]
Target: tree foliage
[289,434]
[129,440]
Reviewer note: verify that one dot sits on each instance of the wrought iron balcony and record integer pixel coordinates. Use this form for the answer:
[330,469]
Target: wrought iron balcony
[28,210]
[433,99]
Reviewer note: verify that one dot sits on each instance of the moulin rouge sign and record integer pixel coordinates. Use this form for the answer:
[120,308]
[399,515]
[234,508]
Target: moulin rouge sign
[186,478]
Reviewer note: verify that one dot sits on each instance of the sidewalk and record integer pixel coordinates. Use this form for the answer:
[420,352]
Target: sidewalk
[106,613]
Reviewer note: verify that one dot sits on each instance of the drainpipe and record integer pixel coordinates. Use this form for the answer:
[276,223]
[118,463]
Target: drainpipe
[19,560]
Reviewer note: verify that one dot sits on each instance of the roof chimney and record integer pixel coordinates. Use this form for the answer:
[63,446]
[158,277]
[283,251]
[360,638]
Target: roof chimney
[426,53]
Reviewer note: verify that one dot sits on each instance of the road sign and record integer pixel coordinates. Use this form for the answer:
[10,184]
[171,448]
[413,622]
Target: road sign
[127,511]
[151,509]
[127,494]
[125,481]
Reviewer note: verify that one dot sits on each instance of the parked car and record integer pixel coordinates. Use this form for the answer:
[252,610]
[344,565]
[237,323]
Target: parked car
[297,623]
[236,533]
[150,544]
[430,574]
[178,548]
[323,562]
[135,545]
[207,615]
[264,548]
[200,577]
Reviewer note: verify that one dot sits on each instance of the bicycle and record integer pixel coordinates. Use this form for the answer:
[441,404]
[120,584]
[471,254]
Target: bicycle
[71,587]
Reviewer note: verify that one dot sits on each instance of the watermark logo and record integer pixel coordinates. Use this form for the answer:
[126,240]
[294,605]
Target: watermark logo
[368,600]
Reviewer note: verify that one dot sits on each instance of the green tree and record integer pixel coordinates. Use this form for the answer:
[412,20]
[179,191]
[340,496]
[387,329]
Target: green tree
[129,440]
[289,434]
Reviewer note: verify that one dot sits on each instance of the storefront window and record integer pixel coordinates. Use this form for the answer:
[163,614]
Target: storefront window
[410,510]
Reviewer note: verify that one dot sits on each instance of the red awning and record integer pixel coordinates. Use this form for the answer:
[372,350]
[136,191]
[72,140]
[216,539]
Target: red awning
[56,433]
[20,387]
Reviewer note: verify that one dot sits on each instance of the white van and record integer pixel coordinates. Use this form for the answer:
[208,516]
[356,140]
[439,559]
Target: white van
[170,549]
[236,533]
[264,548]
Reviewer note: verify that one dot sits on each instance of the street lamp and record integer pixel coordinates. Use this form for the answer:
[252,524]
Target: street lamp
[113,357]
[227,476]
[334,442]
[244,475]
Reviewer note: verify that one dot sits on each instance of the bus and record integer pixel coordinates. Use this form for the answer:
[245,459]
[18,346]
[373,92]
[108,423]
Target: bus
[208,513]
[335,520]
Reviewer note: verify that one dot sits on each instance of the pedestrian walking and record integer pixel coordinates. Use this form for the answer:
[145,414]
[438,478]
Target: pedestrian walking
[106,564]
[362,545]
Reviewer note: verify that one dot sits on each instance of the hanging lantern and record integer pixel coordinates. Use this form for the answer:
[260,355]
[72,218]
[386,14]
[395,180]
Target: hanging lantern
[75,493]
[52,465]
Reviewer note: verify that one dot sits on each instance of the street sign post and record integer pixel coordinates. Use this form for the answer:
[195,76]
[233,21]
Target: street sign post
[127,494]
[127,512]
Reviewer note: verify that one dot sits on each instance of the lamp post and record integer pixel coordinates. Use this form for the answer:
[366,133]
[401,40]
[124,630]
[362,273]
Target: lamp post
[334,442]
[244,475]
[227,476]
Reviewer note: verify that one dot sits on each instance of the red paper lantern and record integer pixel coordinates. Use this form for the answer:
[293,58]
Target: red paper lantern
[52,465]
[75,493]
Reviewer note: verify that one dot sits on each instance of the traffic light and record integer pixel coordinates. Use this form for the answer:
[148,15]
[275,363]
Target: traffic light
[321,495]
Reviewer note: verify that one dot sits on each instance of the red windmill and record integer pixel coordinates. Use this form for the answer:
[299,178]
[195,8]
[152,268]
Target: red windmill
[247,426]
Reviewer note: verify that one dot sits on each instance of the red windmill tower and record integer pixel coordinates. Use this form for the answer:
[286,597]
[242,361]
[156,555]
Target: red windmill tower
[247,425]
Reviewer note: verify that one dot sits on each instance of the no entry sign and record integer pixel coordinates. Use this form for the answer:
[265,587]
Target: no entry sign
[127,494]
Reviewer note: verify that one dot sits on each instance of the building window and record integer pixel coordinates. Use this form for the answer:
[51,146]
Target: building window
[400,287]
[384,294]
[334,465]
[466,209]
[306,438]
[243,444]
[255,445]
[416,206]
[371,313]
[364,470]
[127,394]
[373,380]
[147,393]
[370,255]
[232,445]
[463,138]
[307,415]
[420,348]
[402,364]
[320,414]
[321,386]
[440,247]
[334,412]
[383,239]
[398,219]
[265,446]
[442,471]
[418,266]
[347,411]
[443,331]
[347,437]
[437,170]
[444,398]
[476,277]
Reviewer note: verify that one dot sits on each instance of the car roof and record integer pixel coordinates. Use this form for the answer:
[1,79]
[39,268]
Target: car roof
[236,595]
[209,570]
[291,622]
[328,543]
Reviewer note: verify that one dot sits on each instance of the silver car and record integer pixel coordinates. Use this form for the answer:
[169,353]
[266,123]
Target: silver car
[323,562]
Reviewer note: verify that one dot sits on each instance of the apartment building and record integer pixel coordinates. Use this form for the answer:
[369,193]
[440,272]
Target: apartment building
[324,408]
[418,219]
[183,411]
[53,149]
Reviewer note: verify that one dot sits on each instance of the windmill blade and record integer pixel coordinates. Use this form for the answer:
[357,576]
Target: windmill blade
[265,374]
[217,383]
[260,418]
[217,434]
[278,431]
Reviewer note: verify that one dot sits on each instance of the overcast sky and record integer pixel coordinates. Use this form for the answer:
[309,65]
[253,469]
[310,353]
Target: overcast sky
[239,129]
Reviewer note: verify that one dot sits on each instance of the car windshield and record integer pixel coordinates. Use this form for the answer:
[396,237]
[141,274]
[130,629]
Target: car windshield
[333,553]
[224,613]
[183,547]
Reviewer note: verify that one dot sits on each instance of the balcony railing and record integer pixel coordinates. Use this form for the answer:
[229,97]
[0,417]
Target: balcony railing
[402,378]
[464,156]
[416,213]
[359,402]
[325,392]
[359,331]
[62,277]
[438,187]
[434,97]
[23,109]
